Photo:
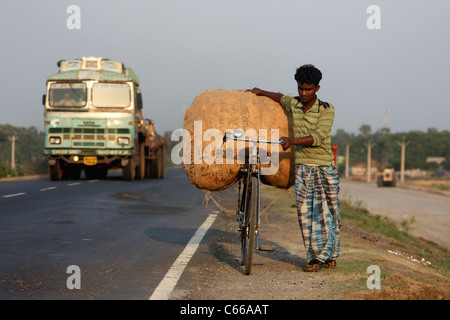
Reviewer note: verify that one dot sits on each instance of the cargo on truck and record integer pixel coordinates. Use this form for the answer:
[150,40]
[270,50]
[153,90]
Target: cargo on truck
[94,123]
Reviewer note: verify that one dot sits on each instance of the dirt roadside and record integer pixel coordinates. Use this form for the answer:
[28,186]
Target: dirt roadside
[278,275]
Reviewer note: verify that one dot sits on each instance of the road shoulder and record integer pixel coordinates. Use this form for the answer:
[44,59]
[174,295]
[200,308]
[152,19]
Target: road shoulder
[279,275]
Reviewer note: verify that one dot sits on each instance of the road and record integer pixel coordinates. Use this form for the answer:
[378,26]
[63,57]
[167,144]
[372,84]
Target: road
[429,212]
[124,236]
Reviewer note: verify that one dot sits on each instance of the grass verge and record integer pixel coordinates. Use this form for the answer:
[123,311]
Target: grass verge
[411,267]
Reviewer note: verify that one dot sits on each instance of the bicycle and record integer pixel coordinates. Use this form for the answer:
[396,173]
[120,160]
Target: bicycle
[249,200]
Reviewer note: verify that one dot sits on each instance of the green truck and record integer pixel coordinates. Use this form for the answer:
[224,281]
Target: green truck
[93,122]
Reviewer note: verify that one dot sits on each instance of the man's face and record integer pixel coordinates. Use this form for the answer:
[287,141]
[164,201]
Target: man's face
[307,92]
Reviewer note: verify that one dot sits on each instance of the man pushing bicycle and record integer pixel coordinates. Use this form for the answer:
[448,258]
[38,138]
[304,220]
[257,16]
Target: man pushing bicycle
[316,181]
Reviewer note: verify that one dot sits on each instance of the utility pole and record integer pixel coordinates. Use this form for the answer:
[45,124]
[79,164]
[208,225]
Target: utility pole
[13,139]
[403,144]
[386,118]
[347,160]
[369,156]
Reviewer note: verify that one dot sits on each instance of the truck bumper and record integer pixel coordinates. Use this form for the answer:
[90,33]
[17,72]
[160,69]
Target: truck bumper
[89,157]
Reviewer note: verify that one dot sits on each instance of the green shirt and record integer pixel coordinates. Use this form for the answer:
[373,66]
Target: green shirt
[316,122]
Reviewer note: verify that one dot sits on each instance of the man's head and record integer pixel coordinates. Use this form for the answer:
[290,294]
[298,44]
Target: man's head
[308,78]
[308,74]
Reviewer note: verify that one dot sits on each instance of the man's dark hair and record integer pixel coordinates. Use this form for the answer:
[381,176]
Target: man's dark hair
[308,74]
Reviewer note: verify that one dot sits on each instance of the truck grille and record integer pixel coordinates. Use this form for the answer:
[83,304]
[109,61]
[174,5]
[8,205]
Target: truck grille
[89,137]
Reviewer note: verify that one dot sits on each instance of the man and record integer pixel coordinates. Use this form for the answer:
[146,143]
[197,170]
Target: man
[316,182]
[67,101]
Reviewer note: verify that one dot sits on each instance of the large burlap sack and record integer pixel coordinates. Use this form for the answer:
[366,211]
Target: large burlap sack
[228,110]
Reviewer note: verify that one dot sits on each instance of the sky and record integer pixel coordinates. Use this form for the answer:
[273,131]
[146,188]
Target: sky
[180,48]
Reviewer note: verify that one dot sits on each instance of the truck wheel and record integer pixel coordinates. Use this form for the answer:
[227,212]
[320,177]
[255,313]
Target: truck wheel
[140,169]
[102,172]
[394,182]
[55,171]
[162,158]
[148,168]
[129,172]
[380,181]
[155,168]
[158,164]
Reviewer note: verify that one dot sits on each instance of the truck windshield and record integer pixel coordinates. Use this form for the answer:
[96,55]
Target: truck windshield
[67,95]
[110,95]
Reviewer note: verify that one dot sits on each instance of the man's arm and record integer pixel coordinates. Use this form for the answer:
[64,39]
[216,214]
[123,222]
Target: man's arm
[303,141]
[287,141]
[275,96]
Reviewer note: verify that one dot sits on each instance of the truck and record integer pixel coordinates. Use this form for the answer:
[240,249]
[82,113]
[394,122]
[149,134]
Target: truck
[93,122]
[386,178]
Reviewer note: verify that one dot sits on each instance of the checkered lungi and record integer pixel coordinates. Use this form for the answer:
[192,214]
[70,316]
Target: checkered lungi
[317,189]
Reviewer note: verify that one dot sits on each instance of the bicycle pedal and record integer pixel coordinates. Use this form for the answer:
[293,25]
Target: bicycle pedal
[266,249]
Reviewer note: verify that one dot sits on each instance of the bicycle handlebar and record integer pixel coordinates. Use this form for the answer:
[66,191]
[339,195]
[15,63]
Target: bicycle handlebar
[237,136]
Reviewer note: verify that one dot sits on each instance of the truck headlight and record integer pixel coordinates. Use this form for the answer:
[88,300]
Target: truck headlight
[54,140]
[123,141]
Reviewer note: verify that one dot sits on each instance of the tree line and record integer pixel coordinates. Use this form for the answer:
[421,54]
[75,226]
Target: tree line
[386,147]
[386,151]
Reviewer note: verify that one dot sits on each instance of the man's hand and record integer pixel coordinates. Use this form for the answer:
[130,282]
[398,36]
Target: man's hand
[275,96]
[256,91]
[302,141]
[286,142]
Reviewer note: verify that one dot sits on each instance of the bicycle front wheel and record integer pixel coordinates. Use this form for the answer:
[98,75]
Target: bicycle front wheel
[249,230]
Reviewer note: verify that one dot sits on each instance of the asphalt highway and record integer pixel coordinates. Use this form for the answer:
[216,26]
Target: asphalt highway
[95,239]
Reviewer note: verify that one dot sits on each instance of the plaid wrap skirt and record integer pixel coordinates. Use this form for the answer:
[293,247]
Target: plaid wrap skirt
[317,190]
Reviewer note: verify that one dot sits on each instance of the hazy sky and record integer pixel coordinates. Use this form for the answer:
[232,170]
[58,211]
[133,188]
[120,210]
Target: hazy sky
[181,48]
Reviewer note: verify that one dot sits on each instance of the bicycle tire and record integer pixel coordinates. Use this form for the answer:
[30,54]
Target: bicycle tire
[245,203]
[245,199]
[249,231]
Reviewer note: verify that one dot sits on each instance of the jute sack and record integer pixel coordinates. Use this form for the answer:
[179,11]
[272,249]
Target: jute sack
[220,111]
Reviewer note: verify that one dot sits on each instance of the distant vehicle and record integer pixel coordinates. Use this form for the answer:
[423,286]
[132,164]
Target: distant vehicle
[93,122]
[386,178]
[439,172]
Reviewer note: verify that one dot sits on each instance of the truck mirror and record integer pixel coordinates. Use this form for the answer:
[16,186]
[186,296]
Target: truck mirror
[139,100]
[44,97]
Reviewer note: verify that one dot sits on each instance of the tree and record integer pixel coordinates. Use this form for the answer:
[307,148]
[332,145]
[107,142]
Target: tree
[365,130]
[386,151]
[29,148]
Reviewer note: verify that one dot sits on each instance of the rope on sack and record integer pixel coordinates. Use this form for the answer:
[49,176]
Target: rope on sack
[208,196]
[273,201]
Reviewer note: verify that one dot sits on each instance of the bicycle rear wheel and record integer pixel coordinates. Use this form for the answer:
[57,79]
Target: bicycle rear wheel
[248,232]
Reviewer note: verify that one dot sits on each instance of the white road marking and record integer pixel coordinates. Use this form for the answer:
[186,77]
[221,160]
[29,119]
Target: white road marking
[73,184]
[46,189]
[168,283]
[14,195]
